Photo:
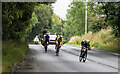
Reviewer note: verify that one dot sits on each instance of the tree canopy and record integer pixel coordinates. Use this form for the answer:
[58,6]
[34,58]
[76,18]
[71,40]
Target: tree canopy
[24,20]
[15,19]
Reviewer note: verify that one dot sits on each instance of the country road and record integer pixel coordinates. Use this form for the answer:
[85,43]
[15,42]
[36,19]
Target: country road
[67,61]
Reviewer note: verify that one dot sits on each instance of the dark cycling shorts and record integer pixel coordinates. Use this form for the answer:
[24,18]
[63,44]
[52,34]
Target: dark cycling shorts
[46,41]
[89,48]
[83,45]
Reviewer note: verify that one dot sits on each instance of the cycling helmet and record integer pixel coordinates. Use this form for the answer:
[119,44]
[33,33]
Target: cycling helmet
[61,36]
[87,41]
[57,35]
[36,36]
[83,40]
[47,34]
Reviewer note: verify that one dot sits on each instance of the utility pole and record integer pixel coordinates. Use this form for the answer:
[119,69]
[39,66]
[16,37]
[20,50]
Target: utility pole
[86,17]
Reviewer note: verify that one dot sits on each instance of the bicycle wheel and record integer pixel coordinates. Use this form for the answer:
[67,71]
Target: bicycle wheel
[85,57]
[46,49]
[57,51]
[57,54]
[80,57]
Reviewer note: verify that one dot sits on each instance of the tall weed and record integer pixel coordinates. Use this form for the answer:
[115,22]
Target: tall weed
[12,52]
[102,39]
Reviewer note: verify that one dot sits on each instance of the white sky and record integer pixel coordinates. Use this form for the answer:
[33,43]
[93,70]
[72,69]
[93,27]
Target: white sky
[60,8]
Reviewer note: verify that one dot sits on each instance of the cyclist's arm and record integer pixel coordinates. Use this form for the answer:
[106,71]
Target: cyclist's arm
[44,38]
[48,39]
[62,41]
[88,45]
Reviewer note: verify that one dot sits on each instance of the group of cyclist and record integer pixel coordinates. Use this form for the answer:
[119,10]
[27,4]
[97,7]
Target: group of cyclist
[46,37]
[59,41]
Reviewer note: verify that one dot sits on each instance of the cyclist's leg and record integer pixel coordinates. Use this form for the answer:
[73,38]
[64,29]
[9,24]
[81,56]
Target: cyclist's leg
[87,48]
[55,44]
[81,50]
[45,44]
[57,48]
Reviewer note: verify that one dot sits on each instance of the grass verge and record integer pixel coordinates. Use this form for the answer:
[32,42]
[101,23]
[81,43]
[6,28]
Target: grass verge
[12,52]
[103,39]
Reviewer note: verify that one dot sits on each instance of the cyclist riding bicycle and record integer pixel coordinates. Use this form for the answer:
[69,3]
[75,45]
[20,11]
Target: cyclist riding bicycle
[59,43]
[60,40]
[56,41]
[86,44]
[46,38]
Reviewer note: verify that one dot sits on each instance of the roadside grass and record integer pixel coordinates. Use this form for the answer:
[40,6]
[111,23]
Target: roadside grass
[12,52]
[103,39]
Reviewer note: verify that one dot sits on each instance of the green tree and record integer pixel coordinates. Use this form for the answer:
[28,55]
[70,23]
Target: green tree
[103,14]
[76,15]
[56,25]
[74,25]
[112,11]
[41,17]
[15,19]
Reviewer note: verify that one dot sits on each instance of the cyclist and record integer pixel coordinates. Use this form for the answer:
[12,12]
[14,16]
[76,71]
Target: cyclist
[56,41]
[46,38]
[36,40]
[59,42]
[86,44]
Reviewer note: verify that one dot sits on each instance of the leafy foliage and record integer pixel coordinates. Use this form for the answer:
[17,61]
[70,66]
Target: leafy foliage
[76,15]
[15,19]
[41,17]
[56,25]
[100,16]
[74,25]
[103,14]
[25,20]
[102,40]
[112,11]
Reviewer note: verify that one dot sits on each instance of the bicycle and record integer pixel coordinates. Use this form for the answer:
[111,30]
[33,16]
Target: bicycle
[83,55]
[45,46]
[57,50]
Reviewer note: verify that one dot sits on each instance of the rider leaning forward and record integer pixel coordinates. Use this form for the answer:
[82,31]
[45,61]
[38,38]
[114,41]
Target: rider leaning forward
[46,38]
[59,41]
[86,44]
[56,41]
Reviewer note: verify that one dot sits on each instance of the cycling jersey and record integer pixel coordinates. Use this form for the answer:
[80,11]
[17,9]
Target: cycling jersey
[56,37]
[60,40]
[44,32]
[85,44]
[47,38]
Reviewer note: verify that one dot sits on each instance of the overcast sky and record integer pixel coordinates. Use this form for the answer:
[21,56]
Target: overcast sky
[60,8]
